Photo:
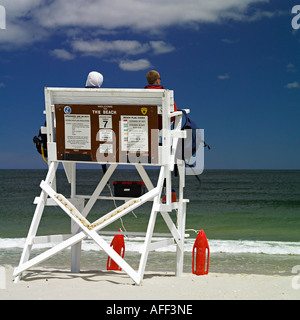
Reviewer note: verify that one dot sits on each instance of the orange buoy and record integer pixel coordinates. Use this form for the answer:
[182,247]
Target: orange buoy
[118,245]
[200,249]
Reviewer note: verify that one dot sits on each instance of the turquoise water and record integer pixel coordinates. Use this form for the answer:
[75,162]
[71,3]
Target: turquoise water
[251,219]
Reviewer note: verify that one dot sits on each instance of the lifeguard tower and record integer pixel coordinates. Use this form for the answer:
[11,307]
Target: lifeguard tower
[113,127]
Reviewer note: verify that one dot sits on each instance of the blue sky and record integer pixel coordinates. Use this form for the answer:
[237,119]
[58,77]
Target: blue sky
[234,63]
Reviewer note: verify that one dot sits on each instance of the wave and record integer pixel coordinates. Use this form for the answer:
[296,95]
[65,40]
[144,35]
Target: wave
[251,246]
[216,246]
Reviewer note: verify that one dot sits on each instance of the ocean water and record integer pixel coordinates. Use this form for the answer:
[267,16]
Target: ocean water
[251,219]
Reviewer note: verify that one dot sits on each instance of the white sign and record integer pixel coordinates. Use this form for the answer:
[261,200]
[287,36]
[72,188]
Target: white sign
[78,131]
[105,122]
[106,148]
[106,135]
[134,133]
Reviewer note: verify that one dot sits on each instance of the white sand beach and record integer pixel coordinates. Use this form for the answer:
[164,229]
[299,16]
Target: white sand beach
[46,283]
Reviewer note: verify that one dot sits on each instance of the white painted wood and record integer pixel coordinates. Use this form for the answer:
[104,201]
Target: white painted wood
[144,176]
[36,218]
[48,254]
[105,96]
[74,207]
[107,219]
[99,189]
[116,257]
[151,224]
[160,244]
[50,238]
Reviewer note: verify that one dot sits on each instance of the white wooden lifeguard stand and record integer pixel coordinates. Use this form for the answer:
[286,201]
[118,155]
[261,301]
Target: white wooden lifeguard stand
[115,127]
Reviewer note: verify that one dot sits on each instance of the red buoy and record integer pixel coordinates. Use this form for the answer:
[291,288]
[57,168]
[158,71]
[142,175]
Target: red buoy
[118,245]
[201,250]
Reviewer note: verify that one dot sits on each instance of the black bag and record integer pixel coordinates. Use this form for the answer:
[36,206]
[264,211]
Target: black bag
[40,142]
[191,144]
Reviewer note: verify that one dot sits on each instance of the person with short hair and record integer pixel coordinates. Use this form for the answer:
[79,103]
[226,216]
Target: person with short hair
[154,79]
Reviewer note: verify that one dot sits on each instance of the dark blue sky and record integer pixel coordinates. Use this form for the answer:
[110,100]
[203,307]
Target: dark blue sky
[234,63]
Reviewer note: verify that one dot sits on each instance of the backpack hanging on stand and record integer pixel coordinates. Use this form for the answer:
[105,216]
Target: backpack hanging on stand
[40,142]
[190,145]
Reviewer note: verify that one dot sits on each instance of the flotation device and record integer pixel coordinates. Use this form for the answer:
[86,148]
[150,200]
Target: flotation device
[118,245]
[200,249]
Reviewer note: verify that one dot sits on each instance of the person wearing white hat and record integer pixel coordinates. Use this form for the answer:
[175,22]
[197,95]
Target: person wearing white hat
[94,80]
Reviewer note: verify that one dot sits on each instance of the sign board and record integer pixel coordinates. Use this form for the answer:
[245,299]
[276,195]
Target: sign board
[107,133]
